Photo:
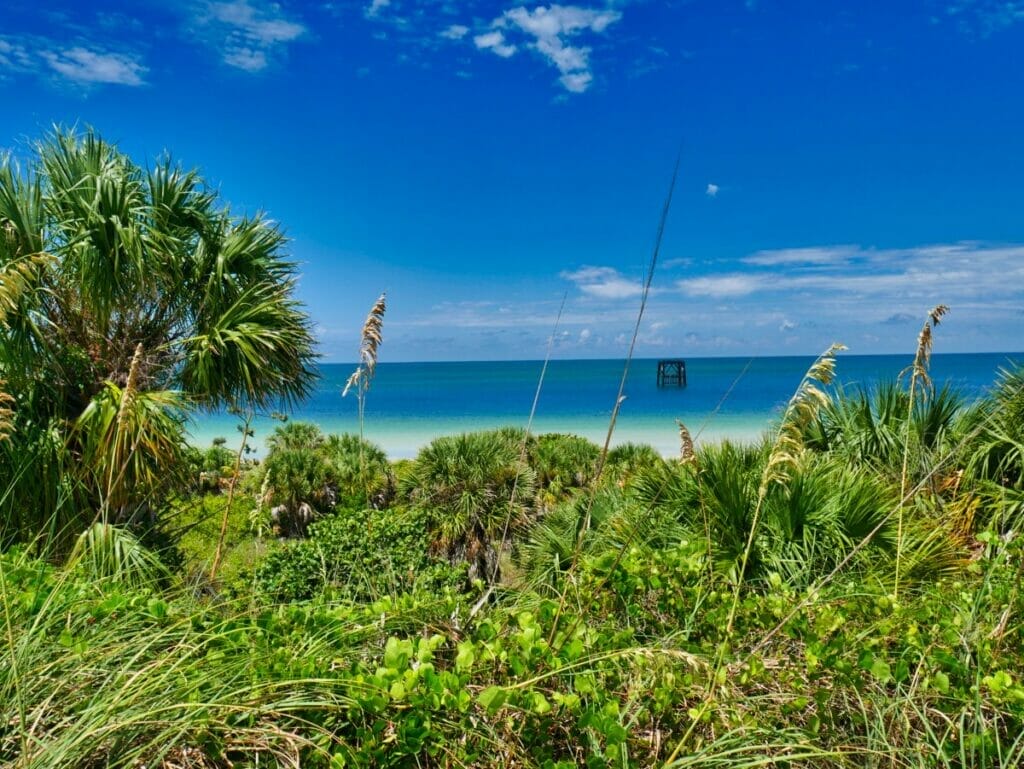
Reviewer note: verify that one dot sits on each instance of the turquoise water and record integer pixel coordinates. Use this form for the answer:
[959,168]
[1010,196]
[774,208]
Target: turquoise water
[411,403]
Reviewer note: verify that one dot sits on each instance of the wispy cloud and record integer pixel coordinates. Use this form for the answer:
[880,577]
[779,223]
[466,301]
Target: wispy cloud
[808,297]
[556,33]
[827,255]
[720,286]
[603,282]
[14,56]
[887,286]
[985,17]
[375,7]
[85,65]
[548,30]
[249,32]
[712,190]
[82,63]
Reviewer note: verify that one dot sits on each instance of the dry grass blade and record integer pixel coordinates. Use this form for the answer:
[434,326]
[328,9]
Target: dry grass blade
[523,447]
[788,448]
[372,337]
[645,295]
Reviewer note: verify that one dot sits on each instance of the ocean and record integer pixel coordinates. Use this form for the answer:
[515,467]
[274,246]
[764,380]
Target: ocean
[409,404]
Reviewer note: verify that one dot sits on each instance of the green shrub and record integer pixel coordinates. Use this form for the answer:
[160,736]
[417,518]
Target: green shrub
[307,474]
[360,555]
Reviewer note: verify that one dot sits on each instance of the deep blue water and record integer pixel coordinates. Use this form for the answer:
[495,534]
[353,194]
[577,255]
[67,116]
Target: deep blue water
[410,403]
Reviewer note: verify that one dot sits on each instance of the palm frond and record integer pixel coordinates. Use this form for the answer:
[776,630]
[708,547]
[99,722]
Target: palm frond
[107,552]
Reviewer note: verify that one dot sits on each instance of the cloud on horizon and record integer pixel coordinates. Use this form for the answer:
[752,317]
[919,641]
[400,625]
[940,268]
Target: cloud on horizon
[817,295]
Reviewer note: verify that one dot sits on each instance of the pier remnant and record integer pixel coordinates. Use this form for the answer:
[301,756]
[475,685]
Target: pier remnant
[672,372]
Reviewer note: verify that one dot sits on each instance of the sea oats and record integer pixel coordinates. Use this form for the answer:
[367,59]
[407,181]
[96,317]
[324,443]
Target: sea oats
[372,337]
[919,373]
[131,385]
[687,454]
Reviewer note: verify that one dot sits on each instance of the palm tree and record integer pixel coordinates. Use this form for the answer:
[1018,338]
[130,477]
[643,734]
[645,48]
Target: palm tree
[103,263]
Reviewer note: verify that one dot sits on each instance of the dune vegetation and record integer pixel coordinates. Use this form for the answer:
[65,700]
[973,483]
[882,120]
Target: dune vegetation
[845,592]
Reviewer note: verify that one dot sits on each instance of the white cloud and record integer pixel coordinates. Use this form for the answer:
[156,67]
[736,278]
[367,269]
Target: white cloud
[494,41]
[604,283]
[250,31]
[712,191]
[547,30]
[585,335]
[85,65]
[819,293]
[576,82]
[455,32]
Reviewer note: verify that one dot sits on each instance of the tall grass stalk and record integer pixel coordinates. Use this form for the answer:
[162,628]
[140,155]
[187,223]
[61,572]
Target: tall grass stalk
[246,429]
[645,295]
[370,341]
[786,451]
[919,377]
[15,673]
[124,409]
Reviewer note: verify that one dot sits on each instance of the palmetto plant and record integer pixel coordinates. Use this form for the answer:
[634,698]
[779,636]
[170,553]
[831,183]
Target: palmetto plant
[997,453]
[359,468]
[868,426]
[474,485]
[101,258]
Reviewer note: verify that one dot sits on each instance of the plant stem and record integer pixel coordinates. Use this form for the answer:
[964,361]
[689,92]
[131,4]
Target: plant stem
[219,552]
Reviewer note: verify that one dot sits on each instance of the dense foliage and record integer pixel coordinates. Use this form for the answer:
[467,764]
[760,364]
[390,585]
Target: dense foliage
[620,633]
[845,592]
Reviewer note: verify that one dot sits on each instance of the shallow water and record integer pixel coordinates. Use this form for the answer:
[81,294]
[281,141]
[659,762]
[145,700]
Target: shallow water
[411,403]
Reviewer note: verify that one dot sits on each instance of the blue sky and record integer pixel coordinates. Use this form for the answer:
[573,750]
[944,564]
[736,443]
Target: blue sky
[845,165]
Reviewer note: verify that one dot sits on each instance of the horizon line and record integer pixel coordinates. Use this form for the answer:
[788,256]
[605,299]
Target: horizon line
[909,354]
